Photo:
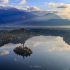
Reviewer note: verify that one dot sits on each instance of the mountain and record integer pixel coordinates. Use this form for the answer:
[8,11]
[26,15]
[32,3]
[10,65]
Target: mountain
[49,19]
[13,15]
[39,13]
[21,18]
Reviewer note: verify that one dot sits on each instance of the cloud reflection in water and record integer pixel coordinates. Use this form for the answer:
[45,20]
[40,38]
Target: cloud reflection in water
[5,50]
[53,43]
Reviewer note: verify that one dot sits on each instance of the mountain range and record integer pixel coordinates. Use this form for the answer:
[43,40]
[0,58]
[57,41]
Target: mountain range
[14,17]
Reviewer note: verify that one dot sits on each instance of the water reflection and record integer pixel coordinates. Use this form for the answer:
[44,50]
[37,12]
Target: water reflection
[49,53]
[4,52]
[53,43]
[7,48]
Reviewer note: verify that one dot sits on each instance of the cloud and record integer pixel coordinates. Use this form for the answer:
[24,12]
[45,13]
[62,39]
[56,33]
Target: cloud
[56,5]
[4,2]
[19,2]
[20,5]
[22,2]
[15,3]
[62,9]
[33,8]
[65,12]
[53,43]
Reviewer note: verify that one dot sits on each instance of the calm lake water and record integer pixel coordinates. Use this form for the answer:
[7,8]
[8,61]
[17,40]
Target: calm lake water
[48,53]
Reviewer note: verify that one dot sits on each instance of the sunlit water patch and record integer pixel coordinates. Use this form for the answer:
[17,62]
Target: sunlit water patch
[49,53]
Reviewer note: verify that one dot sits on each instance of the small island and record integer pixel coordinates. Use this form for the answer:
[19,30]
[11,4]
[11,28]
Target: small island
[23,51]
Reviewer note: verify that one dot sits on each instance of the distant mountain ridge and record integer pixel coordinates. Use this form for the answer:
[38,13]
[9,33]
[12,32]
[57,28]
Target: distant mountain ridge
[15,17]
[8,15]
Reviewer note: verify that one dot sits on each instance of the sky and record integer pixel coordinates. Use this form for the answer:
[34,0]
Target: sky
[42,4]
[60,6]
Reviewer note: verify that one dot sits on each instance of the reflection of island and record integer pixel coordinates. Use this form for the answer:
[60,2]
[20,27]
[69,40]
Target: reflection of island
[23,51]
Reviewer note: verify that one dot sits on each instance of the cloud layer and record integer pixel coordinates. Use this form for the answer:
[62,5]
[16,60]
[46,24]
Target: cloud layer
[56,5]
[62,9]
[17,2]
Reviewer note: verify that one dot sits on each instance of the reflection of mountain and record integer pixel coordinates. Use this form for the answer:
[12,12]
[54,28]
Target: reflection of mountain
[15,17]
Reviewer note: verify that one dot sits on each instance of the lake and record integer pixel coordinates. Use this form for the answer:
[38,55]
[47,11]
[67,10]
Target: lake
[50,51]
